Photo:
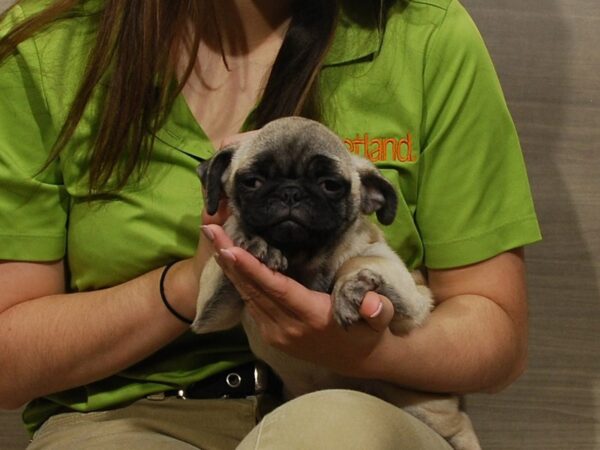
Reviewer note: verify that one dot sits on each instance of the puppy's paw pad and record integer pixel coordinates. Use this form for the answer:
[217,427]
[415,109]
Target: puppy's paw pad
[269,256]
[346,315]
[363,281]
[349,293]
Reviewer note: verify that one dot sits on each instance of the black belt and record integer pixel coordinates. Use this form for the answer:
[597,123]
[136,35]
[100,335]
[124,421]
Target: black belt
[249,379]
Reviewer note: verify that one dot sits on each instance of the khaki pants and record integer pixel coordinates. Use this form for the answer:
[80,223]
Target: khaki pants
[331,419]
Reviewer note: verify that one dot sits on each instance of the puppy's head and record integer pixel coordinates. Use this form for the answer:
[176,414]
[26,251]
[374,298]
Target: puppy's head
[295,185]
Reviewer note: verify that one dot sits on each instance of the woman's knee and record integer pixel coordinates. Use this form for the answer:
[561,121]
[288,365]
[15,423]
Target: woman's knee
[341,419]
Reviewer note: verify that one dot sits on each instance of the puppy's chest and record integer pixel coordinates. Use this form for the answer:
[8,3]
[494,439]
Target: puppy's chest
[315,277]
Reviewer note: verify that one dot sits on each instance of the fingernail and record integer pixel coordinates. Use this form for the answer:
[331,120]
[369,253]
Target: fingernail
[378,311]
[208,233]
[226,254]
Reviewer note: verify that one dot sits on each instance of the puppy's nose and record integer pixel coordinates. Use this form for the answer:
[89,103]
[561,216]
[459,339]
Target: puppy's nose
[290,195]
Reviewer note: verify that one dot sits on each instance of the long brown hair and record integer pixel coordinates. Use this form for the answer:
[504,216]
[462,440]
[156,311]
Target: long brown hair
[135,45]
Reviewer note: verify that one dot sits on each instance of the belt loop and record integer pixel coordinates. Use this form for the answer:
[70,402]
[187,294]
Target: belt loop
[158,397]
[261,377]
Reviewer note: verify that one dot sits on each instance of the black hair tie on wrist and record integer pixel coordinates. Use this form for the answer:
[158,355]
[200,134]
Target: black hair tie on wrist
[164,297]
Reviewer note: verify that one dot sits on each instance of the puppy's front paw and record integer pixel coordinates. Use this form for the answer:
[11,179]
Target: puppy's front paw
[348,294]
[269,256]
[411,308]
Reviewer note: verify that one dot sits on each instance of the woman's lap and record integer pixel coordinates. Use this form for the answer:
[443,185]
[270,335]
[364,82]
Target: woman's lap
[331,419]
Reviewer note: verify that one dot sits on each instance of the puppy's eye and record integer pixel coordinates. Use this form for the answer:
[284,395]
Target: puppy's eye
[252,182]
[331,186]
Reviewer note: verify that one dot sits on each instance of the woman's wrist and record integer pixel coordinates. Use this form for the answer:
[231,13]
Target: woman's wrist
[179,288]
[375,365]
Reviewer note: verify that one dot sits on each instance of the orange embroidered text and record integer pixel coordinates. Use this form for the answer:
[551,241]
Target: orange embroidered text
[382,149]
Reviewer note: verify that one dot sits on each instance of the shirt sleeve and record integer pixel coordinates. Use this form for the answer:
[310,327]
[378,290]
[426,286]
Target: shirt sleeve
[474,200]
[33,203]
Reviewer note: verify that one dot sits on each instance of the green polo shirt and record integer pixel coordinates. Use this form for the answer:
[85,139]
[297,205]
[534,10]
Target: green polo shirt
[419,98]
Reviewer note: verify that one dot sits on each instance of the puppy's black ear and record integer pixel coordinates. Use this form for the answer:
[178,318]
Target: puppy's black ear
[376,193]
[211,174]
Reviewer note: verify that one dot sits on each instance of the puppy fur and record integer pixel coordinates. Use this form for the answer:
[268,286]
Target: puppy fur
[299,203]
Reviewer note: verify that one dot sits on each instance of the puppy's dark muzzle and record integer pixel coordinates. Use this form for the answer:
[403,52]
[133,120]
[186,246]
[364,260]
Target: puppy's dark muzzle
[290,195]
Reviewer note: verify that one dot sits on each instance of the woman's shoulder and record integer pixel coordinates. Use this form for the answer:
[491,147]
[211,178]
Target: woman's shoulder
[56,55]
[32,7]
[63,35]
[361,31]
[433,13]
[412,24]
[435,27]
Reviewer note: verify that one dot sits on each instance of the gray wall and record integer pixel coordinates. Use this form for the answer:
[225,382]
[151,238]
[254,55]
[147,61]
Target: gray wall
[547,53]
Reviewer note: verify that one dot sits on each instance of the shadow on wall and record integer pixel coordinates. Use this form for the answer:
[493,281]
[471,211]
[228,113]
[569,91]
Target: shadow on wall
[546,54]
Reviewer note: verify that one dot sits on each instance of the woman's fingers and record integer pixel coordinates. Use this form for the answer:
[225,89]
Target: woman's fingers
[279,297]
[248,274]
[377,311]
[283,299]
[217,236]
[295,298]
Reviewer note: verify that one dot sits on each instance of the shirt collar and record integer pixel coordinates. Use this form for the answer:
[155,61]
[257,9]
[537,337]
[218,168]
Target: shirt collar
[181,131]
[352,42]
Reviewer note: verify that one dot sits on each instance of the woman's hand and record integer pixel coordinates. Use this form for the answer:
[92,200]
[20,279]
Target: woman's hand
[295,319]
[182,283]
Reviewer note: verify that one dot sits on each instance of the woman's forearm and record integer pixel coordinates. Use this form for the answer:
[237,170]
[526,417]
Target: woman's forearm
[468,344]
[57,342]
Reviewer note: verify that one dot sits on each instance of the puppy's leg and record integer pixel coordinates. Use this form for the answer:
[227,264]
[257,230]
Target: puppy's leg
[418,303]
[349,291]
[444,416]
[219,306]
[383,272]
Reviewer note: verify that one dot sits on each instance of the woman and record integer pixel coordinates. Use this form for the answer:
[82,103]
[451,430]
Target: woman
[106,109]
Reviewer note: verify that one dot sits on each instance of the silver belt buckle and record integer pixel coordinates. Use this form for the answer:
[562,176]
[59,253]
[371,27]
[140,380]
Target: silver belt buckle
[261,377]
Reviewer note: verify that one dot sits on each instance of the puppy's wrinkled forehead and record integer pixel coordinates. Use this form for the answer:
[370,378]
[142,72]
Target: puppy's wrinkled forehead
[290,145]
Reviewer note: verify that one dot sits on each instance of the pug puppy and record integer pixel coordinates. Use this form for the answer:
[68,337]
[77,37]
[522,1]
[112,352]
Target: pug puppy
[299,203]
